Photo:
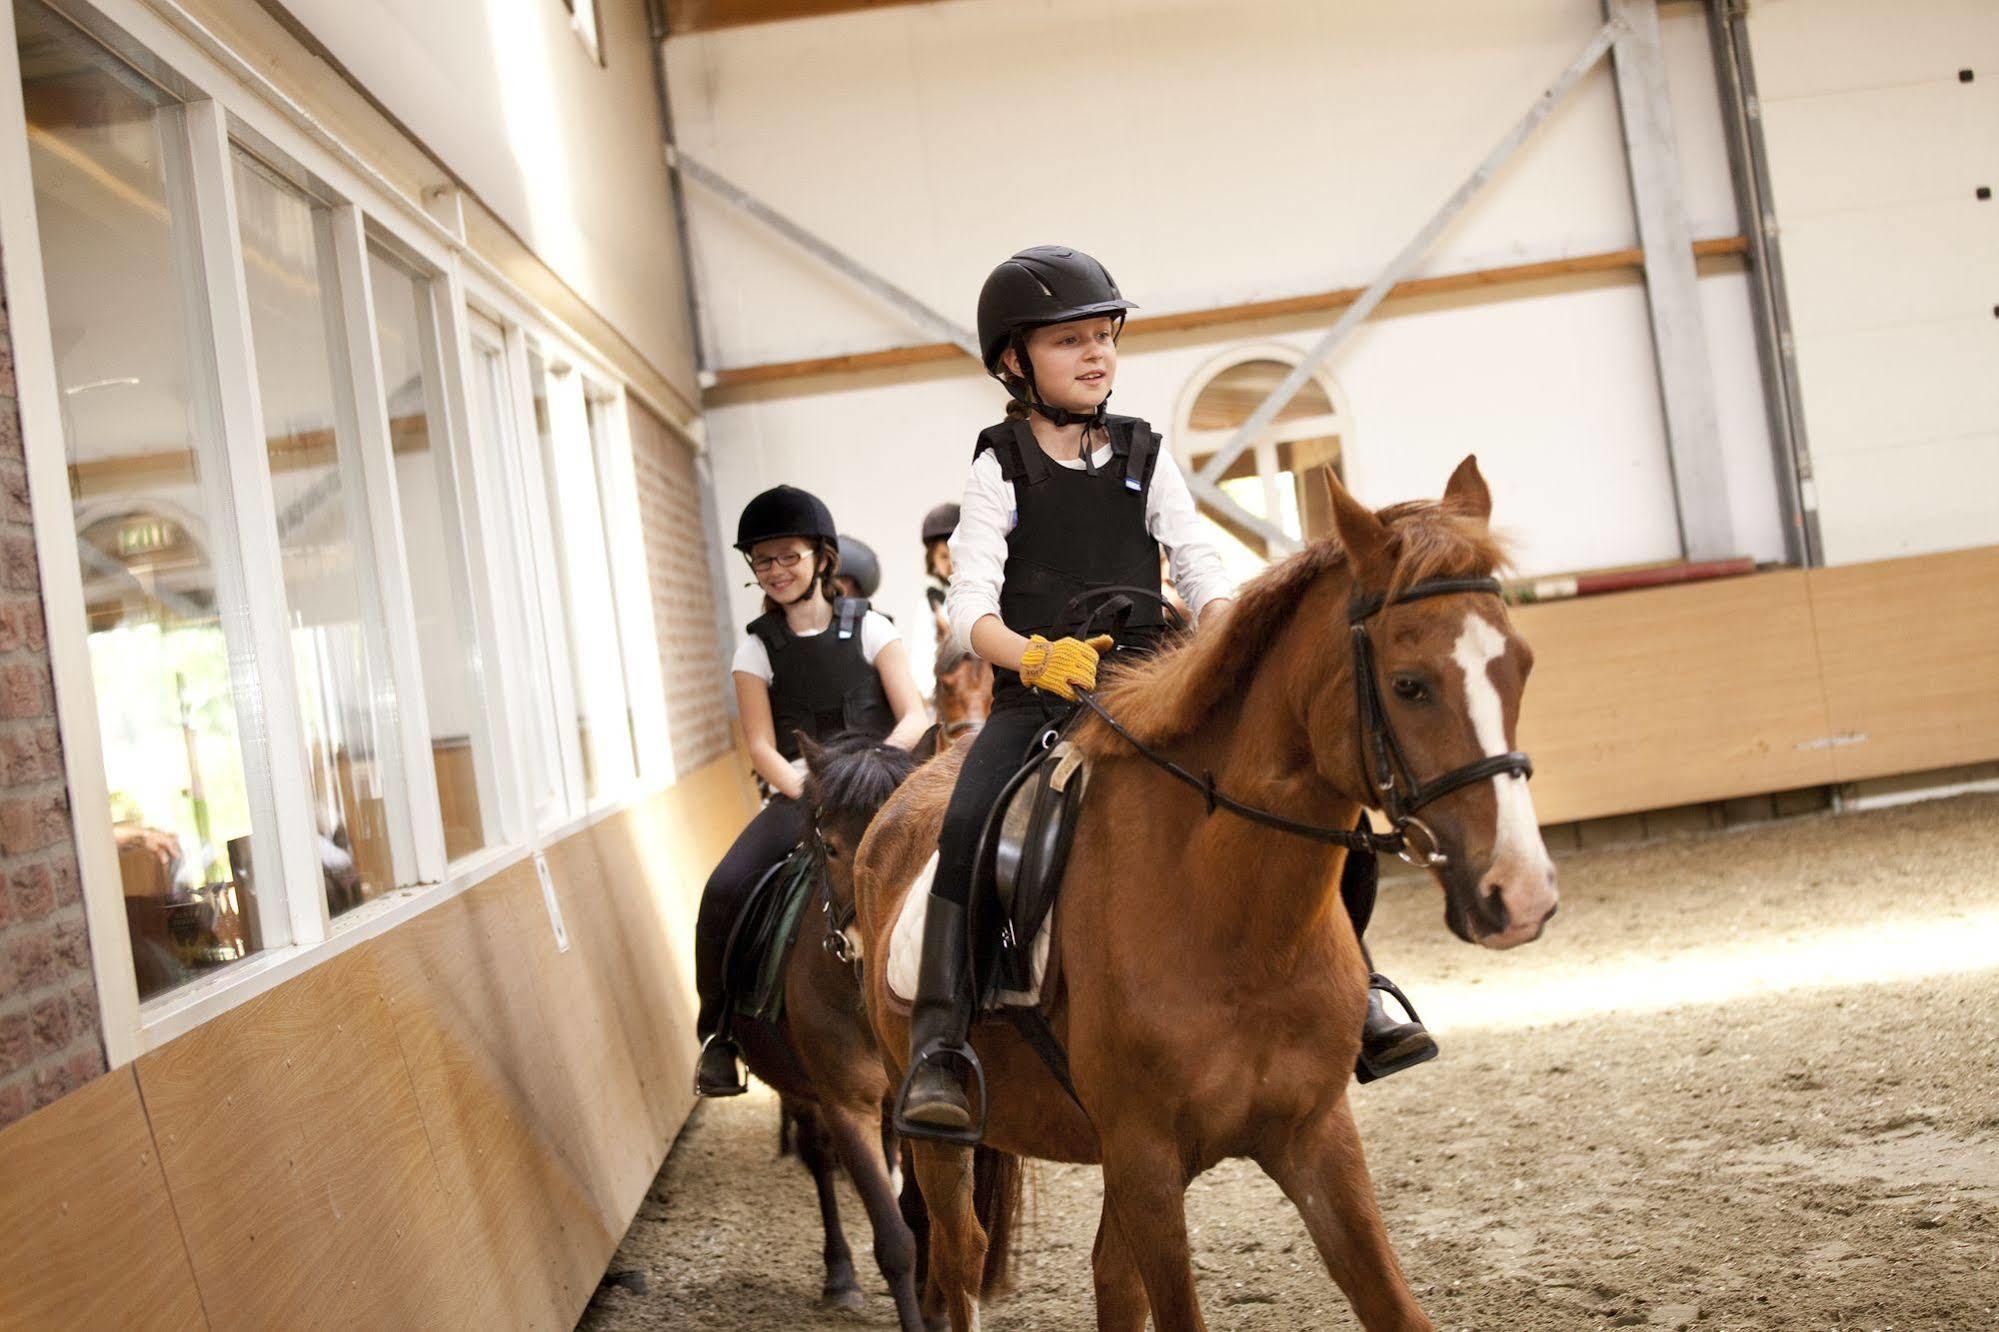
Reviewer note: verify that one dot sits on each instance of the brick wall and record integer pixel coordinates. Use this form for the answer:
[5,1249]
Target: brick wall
[49,1038]
[677,561]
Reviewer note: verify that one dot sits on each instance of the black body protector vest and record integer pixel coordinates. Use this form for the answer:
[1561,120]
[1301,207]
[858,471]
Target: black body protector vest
[1077,532]
[821,684]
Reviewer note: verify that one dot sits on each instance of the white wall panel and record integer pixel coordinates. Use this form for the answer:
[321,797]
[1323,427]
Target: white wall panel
[1209,153]
[1892,263]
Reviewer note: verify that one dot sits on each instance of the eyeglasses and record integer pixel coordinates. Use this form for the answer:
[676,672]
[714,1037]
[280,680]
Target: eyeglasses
[761,565]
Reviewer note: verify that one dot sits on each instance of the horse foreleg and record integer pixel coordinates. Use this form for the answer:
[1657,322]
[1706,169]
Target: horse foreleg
[840,1291]
[957,1241]
[854,1136]
[1121,1305]
[1145,1185]
[1324,1174]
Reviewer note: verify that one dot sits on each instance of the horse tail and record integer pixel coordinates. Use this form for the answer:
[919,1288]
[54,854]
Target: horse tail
[996,1191]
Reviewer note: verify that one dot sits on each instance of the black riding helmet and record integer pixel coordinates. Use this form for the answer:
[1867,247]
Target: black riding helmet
[1046,284]
[940,523]
[784,511]
[858,562]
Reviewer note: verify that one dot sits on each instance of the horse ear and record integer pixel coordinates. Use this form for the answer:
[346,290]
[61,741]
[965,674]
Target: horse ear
[925,747]
[1466,491]
[812,752]
[1365,536]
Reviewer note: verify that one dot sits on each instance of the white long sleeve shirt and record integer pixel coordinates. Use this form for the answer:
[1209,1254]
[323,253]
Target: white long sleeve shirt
[990,511]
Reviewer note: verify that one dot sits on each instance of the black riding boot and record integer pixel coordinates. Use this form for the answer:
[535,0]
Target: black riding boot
[1387,1043]
[718,1072]
[934,1103]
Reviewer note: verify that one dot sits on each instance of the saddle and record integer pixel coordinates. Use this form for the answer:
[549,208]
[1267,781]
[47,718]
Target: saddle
[1018,870]
[764,932]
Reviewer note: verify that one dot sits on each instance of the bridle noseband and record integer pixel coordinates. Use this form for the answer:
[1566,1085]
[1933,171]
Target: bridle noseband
[1386,769]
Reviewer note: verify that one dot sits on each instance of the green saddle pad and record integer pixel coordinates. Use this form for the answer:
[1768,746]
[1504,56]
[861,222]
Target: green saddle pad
[764,933]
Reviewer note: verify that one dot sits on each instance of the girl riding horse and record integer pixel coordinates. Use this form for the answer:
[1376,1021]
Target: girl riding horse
[1063,499]
[814,664]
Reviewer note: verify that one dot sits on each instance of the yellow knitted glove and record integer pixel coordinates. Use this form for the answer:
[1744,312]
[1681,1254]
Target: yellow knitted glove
[1064,666]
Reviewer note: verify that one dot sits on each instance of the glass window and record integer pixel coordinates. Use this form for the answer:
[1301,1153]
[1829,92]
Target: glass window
[590,630]
[599,411]
[346,697]
[433,541]
[493,423]
[1278,478]
[107,156]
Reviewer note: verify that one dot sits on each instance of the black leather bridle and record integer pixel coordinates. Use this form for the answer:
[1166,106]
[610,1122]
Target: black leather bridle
[1396,790]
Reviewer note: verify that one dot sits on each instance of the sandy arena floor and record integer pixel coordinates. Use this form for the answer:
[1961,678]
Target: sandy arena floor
[1750,1080]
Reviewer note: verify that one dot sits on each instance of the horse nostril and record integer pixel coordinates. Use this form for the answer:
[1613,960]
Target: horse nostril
[1495,910]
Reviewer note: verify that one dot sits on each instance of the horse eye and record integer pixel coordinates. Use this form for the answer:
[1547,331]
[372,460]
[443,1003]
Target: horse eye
[1410,689]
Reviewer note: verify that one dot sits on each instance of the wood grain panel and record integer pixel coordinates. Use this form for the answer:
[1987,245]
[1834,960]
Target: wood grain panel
[476,1045]
[87,1231]
[299,1168]
[1645,700]
[599,1043]
[1910,650]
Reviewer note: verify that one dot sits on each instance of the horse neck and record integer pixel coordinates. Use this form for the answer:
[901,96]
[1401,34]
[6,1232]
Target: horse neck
[1249,887]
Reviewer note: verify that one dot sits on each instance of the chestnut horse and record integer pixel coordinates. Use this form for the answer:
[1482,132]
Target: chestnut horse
[821,1057]
[964,697]
[1208,987]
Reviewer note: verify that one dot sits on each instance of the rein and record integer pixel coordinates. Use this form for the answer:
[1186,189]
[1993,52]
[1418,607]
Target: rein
[1386,768]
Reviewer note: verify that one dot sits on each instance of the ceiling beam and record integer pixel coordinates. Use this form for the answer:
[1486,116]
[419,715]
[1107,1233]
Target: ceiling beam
[690,16]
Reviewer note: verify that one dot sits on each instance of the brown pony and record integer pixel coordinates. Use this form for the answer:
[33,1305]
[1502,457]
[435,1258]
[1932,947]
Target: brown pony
[822,1060]
[1208,987]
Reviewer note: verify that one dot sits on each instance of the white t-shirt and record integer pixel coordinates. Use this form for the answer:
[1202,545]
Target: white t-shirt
[877,632]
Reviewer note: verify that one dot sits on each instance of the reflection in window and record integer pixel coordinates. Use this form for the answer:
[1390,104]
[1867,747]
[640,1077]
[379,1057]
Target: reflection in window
[440,590]
[145,472]
[1280,477]
[345,696]
[595,661]
[493,429]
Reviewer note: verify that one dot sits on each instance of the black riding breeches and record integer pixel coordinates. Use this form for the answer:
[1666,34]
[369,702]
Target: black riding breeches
[767,840]
[1018,715]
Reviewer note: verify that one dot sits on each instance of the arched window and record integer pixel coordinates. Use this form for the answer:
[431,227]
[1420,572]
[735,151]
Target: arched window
[1278,478]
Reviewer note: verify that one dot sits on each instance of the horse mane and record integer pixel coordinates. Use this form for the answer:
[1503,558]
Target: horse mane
[855,775]
[1169,695]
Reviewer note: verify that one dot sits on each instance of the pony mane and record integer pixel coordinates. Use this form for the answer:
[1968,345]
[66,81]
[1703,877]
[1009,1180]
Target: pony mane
[1168,696]
[855,776]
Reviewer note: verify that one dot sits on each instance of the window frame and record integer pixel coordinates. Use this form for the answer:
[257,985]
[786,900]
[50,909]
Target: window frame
[226,101]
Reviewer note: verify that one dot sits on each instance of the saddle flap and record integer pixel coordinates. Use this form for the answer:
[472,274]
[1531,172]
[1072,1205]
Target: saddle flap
[763,935]
[1027,840]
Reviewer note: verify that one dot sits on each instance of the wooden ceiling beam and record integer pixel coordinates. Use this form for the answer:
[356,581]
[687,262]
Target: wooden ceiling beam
[1247,312]
[689,16]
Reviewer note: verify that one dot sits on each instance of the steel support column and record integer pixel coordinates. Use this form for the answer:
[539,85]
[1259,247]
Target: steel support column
[1679,336]
[1749,167]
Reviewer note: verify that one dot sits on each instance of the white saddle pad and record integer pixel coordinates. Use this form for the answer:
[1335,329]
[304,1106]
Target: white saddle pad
[905,945]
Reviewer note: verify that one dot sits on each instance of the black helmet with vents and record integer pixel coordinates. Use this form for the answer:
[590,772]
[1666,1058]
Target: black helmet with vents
[1045,284]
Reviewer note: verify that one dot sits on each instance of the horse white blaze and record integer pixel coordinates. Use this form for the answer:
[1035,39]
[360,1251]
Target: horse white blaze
[1520,865]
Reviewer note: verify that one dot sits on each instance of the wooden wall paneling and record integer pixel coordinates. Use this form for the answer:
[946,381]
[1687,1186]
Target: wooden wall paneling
[595,1047]
[1644,700]
[292,1145]
[476,1044]
[87,1232]
[1910,649]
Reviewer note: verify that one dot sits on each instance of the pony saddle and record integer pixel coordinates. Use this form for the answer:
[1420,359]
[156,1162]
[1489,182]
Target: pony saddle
[765,929]
[1021,856]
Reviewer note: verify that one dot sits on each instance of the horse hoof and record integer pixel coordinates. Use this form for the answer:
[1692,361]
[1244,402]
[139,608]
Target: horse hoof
[848,1300]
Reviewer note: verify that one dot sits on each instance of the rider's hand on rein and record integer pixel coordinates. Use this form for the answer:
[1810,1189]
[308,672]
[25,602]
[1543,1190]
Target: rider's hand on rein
[1064,666]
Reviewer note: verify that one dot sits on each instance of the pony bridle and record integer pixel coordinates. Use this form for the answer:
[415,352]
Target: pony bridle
[1394,785]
